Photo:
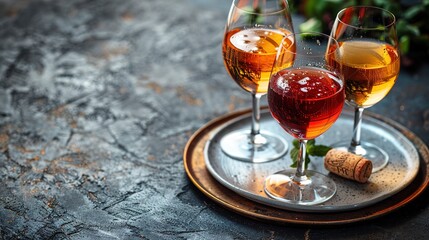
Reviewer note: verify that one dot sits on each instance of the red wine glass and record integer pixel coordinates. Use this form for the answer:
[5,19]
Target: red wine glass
[305,99]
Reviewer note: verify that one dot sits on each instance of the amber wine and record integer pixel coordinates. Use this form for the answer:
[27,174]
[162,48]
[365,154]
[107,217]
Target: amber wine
[249,55]
[370,70]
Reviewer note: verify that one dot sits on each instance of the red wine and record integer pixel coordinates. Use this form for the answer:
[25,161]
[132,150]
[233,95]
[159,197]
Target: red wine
[306,101]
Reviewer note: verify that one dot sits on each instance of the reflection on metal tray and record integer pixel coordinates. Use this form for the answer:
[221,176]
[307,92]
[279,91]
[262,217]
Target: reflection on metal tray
[247,179]
[196,169]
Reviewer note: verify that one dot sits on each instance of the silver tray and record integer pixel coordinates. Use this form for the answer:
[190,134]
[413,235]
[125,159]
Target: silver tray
[246,179]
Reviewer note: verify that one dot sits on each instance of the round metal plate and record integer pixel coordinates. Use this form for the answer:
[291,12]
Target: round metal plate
[247,179]
[196,168]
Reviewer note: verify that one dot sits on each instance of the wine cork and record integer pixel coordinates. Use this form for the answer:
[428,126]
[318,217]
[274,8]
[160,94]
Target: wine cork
[348,165]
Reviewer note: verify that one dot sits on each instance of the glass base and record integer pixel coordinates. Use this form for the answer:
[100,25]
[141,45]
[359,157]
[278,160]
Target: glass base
[375,154]
[265,147]
[316,188]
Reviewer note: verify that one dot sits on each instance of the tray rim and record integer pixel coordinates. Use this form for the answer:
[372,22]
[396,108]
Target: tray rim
[219,131]
[422,149]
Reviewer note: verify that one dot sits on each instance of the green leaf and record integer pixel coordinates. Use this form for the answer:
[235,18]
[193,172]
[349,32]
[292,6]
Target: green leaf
[252,17]
[312,150]
[412,11]
[295,143]
[311,25]
[413,29]
[311,142]
[319,150]
[404,44]
[405,28]
[310,8]
[294,155]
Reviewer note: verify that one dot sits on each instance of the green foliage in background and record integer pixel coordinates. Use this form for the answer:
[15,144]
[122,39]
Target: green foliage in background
[412,21]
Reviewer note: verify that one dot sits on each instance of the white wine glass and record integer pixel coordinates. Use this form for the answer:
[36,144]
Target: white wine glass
[367,39]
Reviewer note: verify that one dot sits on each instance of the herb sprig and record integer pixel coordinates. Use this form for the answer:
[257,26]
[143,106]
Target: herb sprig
[312,150]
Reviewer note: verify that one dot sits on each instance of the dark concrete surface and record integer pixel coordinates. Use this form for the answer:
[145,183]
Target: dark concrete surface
[97,101]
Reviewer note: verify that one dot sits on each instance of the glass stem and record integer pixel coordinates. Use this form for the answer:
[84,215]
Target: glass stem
[256,113]
[300,176]
[256,138]
[355,146]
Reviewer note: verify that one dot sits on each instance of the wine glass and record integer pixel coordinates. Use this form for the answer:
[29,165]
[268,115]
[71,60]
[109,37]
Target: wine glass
[253,33]
[370,58]
[305,99]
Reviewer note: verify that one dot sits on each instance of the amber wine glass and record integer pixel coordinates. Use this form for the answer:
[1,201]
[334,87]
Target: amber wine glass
[369,45]
[305,99]
[253,33]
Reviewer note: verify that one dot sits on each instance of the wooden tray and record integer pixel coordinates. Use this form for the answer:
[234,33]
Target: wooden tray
[195,166]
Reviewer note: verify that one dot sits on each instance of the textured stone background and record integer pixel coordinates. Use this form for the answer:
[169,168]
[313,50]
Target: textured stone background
[97,101]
